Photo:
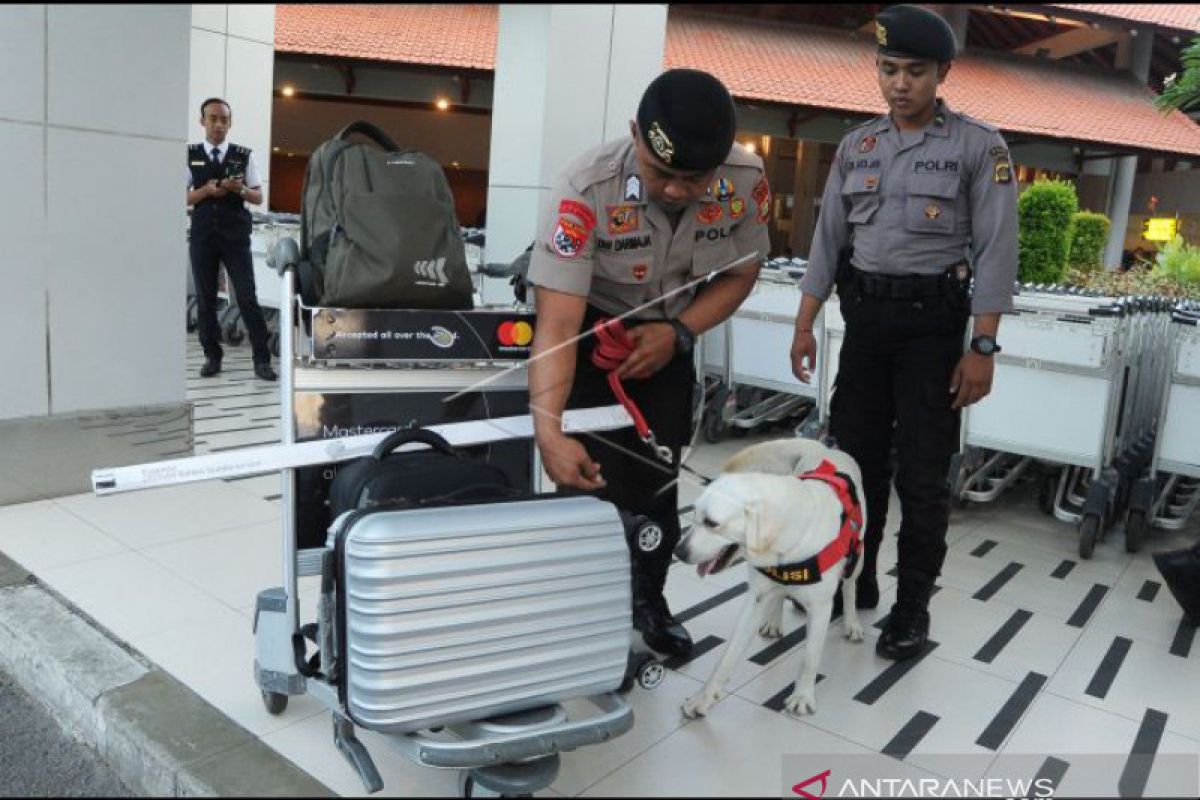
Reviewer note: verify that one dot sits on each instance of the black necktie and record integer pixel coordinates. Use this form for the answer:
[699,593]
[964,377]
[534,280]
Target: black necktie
[217,156]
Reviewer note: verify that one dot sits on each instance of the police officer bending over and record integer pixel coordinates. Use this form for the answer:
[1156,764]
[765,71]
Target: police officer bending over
[221,178]
[629,222]
[915,200]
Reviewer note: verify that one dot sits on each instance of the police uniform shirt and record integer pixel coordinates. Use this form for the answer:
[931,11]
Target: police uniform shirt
[606,240]
[917,203]
[251,178]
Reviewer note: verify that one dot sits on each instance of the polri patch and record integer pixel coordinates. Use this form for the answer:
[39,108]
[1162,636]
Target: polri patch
[622,219]
[569,238]
[722,189]
[737,207]
[579,211]
[761,190]
[1002,172]
[709,213]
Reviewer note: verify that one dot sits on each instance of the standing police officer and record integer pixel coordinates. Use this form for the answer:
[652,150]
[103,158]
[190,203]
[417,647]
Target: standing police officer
[630,222]
[221,178]
[916,201]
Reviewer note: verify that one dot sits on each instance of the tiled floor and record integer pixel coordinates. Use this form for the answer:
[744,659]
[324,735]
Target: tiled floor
[1037,652]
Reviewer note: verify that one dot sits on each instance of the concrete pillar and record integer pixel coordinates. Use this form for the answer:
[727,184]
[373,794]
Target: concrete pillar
[568,77]
[806,191]
[1133,54]
[92,144]
[233,56]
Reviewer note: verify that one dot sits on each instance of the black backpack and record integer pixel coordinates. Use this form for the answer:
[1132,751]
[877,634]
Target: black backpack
[439,475]
[378,228]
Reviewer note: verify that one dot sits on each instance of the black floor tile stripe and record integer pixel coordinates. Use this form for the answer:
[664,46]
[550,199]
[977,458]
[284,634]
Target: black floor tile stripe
[242,446]
[172,438]
[984,548]
[708,605]
[997,583]
[239,408]
[1088,606]
[1185,634]
[1000,639]
[699,649]
[780,646]
[1106,673]
[237,430]
[892,675]
[1063,569]
[216,416]
[1006,720]
[1136,773]
[1149,591]
[272,497]
[1053,771]
[910,735]
[776,701]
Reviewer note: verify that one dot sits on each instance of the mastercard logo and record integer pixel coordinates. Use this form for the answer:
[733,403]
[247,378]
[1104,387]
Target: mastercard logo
[515,334]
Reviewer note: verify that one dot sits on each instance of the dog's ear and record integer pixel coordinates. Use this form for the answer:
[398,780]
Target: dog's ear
[760,531]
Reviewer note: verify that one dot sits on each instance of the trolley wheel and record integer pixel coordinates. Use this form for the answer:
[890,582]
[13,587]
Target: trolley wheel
[1089,532]
[715,424]
[1047,488]
[1136,528]
[233,336]
[275,702]
[650,674]
[469,788]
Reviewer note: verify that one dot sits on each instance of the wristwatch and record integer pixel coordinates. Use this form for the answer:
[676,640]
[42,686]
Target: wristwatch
[685,340]
[985,345]
[242,192]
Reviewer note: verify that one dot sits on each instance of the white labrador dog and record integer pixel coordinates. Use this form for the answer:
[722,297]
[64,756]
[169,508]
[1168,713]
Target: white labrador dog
[758,509]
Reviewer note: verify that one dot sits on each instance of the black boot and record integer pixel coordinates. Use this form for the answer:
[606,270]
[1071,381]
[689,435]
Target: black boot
[905,633]
[1181,571]
[661,631]
[211,367]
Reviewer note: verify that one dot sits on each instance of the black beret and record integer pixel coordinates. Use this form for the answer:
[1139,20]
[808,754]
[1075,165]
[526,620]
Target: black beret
[913,32]
[687,119]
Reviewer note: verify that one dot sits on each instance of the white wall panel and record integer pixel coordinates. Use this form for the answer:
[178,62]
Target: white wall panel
[23,272]
[23,48]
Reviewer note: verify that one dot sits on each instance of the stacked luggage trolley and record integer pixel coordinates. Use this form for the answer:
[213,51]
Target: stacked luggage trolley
[458,632]
[1077,389]
[1170,491]
[748,384]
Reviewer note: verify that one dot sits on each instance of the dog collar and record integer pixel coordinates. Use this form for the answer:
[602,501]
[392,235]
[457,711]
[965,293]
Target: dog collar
[848,543]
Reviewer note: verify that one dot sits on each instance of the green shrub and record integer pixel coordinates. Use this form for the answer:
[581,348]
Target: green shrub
[1179,262]
[1089,235]
[1044,213]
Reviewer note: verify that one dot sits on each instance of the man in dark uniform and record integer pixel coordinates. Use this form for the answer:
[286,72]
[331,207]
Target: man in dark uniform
[222,177]
[631,222]
[917,200]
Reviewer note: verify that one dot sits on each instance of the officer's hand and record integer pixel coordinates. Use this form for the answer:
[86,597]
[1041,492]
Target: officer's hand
[972,379]
[804,346]
[214,189]
[655,346]
[232,184]
[567,463]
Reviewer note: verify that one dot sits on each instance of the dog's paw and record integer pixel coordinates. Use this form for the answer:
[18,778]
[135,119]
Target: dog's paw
[699,704]
[801,702]
[854,630]
[771,628]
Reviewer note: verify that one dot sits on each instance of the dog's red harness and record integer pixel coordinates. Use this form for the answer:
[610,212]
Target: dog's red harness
[847,545]
[613,346]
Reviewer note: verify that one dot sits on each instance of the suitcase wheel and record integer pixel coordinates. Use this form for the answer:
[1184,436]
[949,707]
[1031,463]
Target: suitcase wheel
[650,674]
[276,703]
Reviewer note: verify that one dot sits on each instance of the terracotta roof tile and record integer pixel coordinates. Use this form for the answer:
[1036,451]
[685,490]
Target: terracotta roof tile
[778,63]
[1177,16]
[826,68]
[461,36]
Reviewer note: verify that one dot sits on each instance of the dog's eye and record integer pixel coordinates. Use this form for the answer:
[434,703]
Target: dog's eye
[709,522]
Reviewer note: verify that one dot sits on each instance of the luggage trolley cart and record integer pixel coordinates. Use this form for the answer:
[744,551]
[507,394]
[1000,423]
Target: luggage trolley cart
[269,228]
[761,335]
[1059,395]
[1170,493]
[339,376]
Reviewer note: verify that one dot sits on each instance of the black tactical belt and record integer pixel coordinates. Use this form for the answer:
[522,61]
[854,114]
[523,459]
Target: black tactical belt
[907,287]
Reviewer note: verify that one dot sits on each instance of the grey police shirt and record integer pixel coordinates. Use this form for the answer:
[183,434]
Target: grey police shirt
[919,204]
[604,239]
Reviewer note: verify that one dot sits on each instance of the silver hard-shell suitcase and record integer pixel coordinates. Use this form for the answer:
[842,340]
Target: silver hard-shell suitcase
[462,613]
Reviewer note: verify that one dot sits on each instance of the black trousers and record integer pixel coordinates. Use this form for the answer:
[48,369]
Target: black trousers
[893,387]
[208,252]
[637,482]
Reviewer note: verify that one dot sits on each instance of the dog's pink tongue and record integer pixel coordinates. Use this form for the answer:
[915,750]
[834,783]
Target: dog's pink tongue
[703,569]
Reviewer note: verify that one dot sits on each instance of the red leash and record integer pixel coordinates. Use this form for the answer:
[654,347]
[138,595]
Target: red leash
[613,346]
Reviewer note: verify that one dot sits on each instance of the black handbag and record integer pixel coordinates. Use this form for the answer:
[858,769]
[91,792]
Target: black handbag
[437,475]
